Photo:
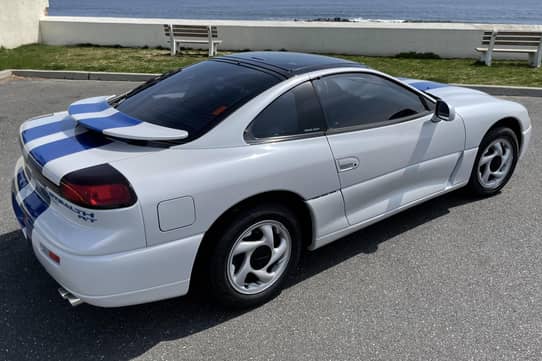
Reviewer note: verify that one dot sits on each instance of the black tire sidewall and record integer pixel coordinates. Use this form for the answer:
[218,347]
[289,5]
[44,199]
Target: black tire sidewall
[474,182]
[218,261]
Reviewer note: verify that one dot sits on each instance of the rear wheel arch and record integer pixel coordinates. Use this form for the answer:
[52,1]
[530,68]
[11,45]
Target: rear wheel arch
[291,200]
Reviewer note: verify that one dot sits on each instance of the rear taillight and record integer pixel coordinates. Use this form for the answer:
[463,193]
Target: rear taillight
[98,187]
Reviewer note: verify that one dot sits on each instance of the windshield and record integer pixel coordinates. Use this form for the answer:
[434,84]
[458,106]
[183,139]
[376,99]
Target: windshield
[196,98]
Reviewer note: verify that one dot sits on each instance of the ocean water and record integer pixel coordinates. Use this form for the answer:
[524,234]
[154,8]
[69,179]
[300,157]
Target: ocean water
[471,11]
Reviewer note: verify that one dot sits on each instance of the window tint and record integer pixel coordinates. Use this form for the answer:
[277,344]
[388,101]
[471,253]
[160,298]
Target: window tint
[296,112]
[351,100]
[198,97]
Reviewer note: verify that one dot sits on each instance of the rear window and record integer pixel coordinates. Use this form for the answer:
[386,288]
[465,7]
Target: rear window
[198,97]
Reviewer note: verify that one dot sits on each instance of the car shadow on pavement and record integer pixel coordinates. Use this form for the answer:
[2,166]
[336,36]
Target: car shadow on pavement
[37,324]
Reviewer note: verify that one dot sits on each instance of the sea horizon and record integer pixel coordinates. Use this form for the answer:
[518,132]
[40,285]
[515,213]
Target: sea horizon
[461,11]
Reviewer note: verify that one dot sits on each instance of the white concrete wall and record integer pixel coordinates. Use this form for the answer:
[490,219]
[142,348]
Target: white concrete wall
[19,21]
[376,39]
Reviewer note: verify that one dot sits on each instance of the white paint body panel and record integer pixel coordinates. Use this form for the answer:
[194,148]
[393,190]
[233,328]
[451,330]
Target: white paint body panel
[125,278]
[146,252]
[221,178]
[398,163]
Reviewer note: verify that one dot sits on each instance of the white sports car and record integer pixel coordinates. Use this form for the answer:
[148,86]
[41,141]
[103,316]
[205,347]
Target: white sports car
[227,169]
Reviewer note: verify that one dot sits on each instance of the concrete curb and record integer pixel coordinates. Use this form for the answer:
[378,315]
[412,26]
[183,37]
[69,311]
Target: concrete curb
[82,75]
[139,77]
[505,90]
[4,74]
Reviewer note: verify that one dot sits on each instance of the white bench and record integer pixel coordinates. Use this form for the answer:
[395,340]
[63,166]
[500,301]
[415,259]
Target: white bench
[192,34]
[522,42]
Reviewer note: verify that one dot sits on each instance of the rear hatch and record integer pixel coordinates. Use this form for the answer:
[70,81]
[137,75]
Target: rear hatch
[90,133]
[67,179]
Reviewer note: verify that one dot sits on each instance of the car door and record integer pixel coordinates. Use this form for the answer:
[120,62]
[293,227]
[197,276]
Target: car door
[388,148]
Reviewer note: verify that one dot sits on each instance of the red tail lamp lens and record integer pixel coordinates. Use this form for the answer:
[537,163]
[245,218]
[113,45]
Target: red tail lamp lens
[98,195]
[99,187]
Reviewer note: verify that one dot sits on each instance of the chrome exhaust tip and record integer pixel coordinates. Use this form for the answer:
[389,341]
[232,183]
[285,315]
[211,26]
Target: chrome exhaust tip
[67,295]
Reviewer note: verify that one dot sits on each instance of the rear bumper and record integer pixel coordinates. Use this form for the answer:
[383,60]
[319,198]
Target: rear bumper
[122,278]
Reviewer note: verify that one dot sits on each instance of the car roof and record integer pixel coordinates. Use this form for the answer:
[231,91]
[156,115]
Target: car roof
[287,63]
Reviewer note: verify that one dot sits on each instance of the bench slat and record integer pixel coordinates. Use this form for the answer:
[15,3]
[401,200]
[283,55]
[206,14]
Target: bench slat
[497,50]
[519,38]
[190,32]
[514,33]
[194,41]
[521,33]
[513,43]
[188,26]
[190,36]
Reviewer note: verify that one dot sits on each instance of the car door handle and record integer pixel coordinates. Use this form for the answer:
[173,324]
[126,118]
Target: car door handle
[346,164]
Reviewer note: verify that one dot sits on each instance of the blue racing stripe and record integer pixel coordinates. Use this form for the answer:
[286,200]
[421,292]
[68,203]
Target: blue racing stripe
[60,148]
[428,85]
[21,179]
[116,120]
[34,205]
[88,108]
[47,129]
[18,211]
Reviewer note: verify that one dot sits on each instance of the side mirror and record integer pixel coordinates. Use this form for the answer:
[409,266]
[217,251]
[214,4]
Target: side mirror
[444,111]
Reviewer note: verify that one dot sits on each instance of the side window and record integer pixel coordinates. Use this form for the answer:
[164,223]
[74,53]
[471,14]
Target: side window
[357,100]
[296,112]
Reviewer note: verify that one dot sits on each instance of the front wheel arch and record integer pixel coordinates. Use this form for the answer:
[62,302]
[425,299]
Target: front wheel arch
[494,135]
[511,123]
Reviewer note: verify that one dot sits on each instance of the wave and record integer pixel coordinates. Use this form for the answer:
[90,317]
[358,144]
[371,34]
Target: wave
[363,20]
[352,20]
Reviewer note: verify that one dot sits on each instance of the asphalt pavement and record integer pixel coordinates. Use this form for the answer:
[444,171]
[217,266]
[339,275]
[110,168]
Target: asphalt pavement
[456,278]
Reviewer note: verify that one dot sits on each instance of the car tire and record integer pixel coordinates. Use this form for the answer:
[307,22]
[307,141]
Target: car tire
[495,162]
[252,255]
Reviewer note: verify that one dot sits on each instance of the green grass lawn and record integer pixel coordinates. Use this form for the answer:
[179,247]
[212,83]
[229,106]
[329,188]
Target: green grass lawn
[93,58]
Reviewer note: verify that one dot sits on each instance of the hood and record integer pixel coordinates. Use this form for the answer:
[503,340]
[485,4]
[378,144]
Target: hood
[456,96]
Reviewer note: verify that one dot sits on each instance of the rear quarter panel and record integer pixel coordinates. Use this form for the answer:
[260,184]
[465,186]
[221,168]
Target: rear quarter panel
[219,178]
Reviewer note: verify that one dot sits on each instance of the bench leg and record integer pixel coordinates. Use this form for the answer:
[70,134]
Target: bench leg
[535,59]
[532,60]
[489,58]
[486,58]
[211,49]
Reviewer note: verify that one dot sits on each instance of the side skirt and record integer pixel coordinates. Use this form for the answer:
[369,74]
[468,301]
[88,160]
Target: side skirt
[322,241]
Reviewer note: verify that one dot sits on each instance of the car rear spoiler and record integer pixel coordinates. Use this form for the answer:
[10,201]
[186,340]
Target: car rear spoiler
[98,115]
